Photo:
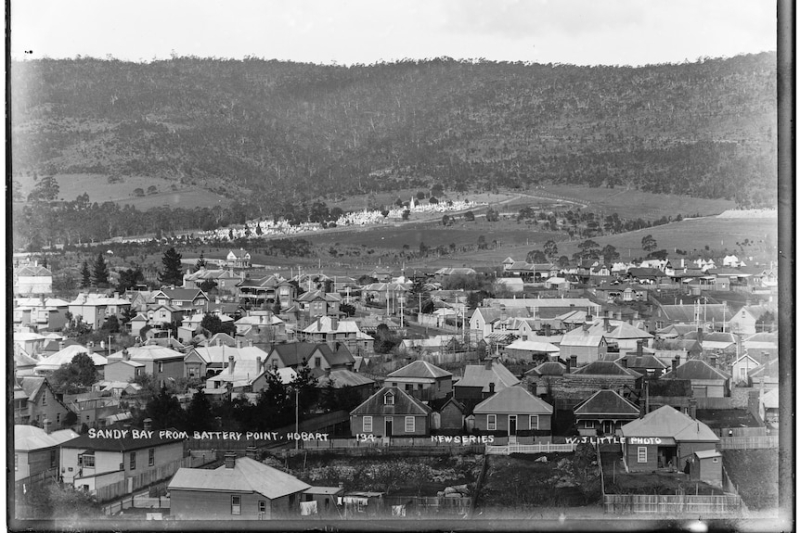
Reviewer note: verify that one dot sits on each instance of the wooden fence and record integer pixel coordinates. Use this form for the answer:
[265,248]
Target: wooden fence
[748,443]
[530,448]
[679,505]
[426,506]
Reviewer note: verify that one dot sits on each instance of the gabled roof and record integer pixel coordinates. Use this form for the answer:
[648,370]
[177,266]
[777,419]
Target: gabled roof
[643,361]
[29,438]
[340,356]
[533,346]
[221,354]
[403,404]
[420,369]
[294,353]
[685,313]
[267,282]
[667,422]
[184,294]
[696,369]
[605,402]
[593,336]
[247,475]
[605,368]
[513,400]
[626,331]
[344,378]
[150,352]
[480,376]
[65,356]
[549,368]
[768,370]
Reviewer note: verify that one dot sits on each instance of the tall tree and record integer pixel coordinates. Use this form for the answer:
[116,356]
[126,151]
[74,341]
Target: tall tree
[609,253]
[536,256]
[172,273]
[201,262]
[199,415]
[76,376]
[165,411]
[100,271]
[649,243]
[551,249]
[129,279]
[86,276]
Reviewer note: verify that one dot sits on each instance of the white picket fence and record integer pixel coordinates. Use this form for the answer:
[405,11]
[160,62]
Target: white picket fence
[530,448]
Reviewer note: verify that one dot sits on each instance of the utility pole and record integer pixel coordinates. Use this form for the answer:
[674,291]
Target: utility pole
[297,418]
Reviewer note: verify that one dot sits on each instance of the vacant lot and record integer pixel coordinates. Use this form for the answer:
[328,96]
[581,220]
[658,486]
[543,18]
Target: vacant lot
[417,476]
[755,473]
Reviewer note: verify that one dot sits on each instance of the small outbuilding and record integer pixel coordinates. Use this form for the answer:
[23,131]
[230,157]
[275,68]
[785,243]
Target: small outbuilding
[706,466]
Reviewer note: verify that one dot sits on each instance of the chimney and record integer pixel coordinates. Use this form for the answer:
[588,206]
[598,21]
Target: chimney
[678,359]
[491,387]
[569,366]
[230,460]
[126,355]
[231,364]
[250,343]
[573,362]
[618,315]
[624,362]
[586,325]
[700,335]
[547,328]
[674,364]
[48,426]
[90,347]
[238,344]
[488,363]
[148,424]
[334,324]
[640,347]
[693,408]
[60,345]
[606,324]
[258,364]
[116,295]
[713,361]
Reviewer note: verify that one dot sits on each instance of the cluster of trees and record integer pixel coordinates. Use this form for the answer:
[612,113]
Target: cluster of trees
[276,132]
[276,406]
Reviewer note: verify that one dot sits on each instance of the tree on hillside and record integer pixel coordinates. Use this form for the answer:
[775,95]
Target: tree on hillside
[492,215]
[214,325]
[201,262]
[100,271]
[86,276]
[550,250]
[649,243]
[172,273]
[76,376]
[208,285]
[563,262]
[469,216]
[406,214]
[165,411]
[609,253]
[536,256]
[304,388]
[45,190]
[129,279]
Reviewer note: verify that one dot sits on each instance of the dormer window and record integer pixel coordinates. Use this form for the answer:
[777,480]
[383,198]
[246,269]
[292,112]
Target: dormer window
[388,398]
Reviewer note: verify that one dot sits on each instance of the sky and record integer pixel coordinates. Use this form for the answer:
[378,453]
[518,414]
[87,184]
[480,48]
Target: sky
[582,32]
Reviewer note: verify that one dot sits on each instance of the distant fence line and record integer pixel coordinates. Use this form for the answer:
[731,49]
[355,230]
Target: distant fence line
[530,448]
[422,505]
[748,443]
[676,505]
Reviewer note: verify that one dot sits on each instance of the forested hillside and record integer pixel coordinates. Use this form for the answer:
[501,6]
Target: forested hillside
[269,132]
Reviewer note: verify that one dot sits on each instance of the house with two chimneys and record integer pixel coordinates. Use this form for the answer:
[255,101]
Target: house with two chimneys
[332,330]
[423,380]
[94,309]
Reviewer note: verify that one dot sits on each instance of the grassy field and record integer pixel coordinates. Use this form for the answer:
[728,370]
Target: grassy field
[755,472]
[99,189]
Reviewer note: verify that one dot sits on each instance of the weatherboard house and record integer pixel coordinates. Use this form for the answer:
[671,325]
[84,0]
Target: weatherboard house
[664,438]
[391,412]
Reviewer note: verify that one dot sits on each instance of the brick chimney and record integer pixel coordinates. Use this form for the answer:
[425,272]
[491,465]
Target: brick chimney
[624,362]
[258,364]
[334,324]
[148,424]
[60,345]
[700,335]
[606,324]
[640,347]
[230,460]
[231,364]
[713,361]
[238,344]
[547,328]
[674,364]
[693,408]
[678,359]
[491,387]
[488,362]
[47,425]
[569,366]
[90,347]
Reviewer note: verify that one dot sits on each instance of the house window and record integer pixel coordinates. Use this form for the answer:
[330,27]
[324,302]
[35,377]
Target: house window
[534,422]
[87,461]
[410,424]
[742,372]
[588,424]
[44,399]
[58,418]
[317,362]
[491,422]
[388,398]
[236,505]
[367,424]
[52,458]
[133,460]
[262,506]
[642,454]
[409,387]
[151,457]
